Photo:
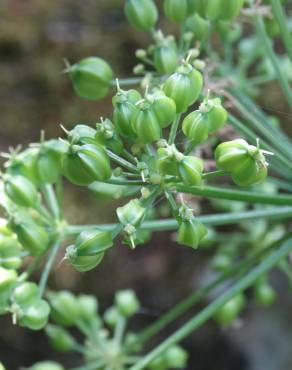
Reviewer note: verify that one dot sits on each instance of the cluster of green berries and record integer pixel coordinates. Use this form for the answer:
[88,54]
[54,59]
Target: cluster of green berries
[106,340]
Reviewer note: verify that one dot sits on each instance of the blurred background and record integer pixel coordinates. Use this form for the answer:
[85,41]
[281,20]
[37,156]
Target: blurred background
[35,37]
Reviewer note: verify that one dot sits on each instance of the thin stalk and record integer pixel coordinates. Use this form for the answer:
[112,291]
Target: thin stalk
[194,298]
[48,266]
[234,194]
[120,330]
[213,174]
[280,16]
[229,218]
[51,200]
[125,182]
[207,313]
[173,129]
[127,81]
[266,43]
[121,161]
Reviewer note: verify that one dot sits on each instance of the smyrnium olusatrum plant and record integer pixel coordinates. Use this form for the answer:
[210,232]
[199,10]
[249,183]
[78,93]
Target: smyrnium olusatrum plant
[163,139]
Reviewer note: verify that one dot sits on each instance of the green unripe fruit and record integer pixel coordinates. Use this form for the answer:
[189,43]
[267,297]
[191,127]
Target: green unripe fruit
[176,357]
[48,167]
[217,115]
[196,127]
[85,164]
[167,160]
[158,363]
[47,365]
[92,242]
[24,164]
[124,103]
[21,191]
[245,162]
[230,311]
[31,236]
[64,308]
[166,57]
[82,263]
[231,9]
[111,317]
[7,278]
[82,134]
[191,233]
[87,307]
[146,125]
[91,78]
[190,170]
[163,107]
[59,338]
[213,9]
[176,10]
[199,27]
[264,293]
[25,293]
[35,316]
[131,213]
[141,14]
[127,303]
[184,87]
[10,253]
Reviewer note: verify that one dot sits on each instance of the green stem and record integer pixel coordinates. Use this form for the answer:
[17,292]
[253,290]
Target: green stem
[229,218]
[181,308]
[125,182]
[283,24]
[207,313]
[122,162]
[213,174]
[120,330]
[266,44]
[52,200]
[234,194]
[173,129]
[127,81]
[48,266]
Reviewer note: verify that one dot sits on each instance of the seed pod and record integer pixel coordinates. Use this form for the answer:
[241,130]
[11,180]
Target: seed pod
[176,10]
[131,213]
[47,365]
[196,6]
[48,166]
[127,303]
[31,236]
[124,108]
[21,191]
[106,136]
[264,293]
[60,339]
[196,127]
[111,317]
[166,56]
[163,107]
[141,14]
[167,160]
[82,134]
[85,164]
[10,253]
[230,311]
[190,170]
[7,279]
[216,113]
[35,316]
[191,232]
[91,78]
[23,164]
[82,263]
[176,357]
[231,9]
[92,242]
[184,87]
[146,125]
[64,308]
[24,294]
[88,306]
[199,26]
[213,9]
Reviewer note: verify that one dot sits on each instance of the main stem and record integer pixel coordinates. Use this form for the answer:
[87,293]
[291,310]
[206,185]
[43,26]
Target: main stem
[212,308]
